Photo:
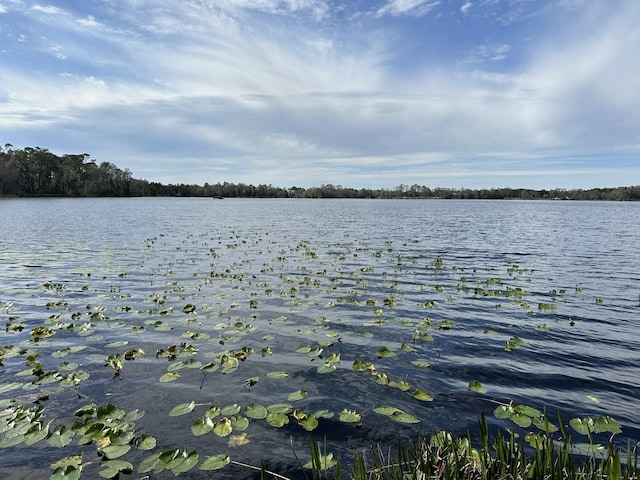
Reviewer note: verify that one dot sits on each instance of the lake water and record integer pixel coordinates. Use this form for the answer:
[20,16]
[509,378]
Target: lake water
[425,293]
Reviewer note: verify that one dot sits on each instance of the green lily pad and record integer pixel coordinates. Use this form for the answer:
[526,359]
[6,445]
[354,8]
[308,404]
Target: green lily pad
[326,368]
[297,395]
[169,377]
[190,363]
[202,426]
[112,468]
[255,411]
[239,423]
[582,425]
[350,416]
[387,411]
[607,424]
[185,464]
[422,395]
[210,367]
[520,419]
[404,417]
[503,411]
[182,409]
[150,463]
[145,442]
[323,414]
[385,352]
[230,410]
[215,462]
[223,427]
[283,408]
[401,385]
[528,411]
[12,441]
[544,425]
[278,374]
[333,358]
[476,386]
[34,436]
[306,420]
[189,308]
[68,468]
[277,420]
[7,387]
[60,437]
[69,472]
[324,462]
[114,451]
[361,365]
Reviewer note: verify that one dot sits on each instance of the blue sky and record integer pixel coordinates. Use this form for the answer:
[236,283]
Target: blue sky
[360,93]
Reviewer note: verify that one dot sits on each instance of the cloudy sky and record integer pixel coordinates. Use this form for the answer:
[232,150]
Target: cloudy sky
[359,93]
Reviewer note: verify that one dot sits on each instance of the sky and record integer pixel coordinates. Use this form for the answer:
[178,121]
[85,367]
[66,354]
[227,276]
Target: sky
[358,93]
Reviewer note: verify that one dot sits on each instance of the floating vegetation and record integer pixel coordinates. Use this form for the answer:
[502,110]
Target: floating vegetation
[256,334]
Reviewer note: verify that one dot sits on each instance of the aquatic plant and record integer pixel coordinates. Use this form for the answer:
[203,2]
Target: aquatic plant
[246,332]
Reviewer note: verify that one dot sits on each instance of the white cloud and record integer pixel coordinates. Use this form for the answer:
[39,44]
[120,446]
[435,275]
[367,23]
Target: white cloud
[88,21]
[3,9]
[277,97]
[466,7]
[318,8]
[49,9]
[482,53]
[407,7]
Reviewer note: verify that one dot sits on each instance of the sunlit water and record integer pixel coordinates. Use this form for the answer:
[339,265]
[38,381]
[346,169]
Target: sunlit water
[296,273]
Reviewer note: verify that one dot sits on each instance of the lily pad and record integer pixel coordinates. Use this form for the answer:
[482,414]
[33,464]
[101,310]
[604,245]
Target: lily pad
[385,352]
[255,411]
[422,395]
[326,368]
[239,423]
[277,420]
[61,437]
[169,377]
[145,442]
[185,464]
[350,416]
[297,395]
[404,417]
[520,419]
[7,387]
[238,440]
[215,462]
[182,409]
[223,427]
[607,424]
[202,426]
[114,451]
[113,468]
[360,365]
[324,462]
[230,410]
[476,386]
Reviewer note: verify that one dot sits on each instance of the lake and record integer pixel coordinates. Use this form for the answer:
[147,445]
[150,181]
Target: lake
[246,327]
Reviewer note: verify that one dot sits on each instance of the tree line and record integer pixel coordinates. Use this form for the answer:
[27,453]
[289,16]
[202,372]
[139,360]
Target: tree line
[39,172]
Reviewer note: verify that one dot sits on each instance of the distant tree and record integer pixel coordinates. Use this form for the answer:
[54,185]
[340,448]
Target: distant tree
[36,171]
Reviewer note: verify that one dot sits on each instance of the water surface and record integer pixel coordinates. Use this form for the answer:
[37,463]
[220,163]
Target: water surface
[348,276]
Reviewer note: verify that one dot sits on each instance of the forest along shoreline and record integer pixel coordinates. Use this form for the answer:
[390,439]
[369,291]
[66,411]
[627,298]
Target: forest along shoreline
[37,172]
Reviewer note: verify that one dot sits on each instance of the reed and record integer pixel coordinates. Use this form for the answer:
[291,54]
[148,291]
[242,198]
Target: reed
[504,456]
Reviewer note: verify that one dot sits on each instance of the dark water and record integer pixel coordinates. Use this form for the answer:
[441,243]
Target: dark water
[296,273]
